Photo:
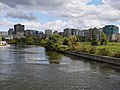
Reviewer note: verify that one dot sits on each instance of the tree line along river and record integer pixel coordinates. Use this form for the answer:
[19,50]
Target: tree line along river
[34,68]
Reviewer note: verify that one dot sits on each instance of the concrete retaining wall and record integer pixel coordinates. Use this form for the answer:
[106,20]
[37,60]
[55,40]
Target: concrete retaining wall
[115,61]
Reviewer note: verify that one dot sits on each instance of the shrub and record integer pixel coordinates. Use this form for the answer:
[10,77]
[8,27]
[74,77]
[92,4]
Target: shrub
[117,54]
[65,41]
[63,49]
[43,43]
[104,39]
[84,49]
[92,50]
[104,51]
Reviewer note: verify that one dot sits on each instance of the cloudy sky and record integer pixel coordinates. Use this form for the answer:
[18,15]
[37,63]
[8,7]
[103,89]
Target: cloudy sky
[59,14]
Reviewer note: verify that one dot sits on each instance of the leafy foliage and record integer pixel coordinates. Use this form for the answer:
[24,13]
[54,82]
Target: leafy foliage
[0,38]
[117,54]
[84,48]
[73,39]
[94,40]
[104,51]
[65,41]
[56,42]
[104,39]
[32,40]
[92,50]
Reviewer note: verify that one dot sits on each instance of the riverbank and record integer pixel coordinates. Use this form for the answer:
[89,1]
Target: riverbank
[105,59]
[65,44]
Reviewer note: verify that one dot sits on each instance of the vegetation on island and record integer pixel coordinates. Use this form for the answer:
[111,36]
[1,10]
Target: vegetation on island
[59,43]
[31,40]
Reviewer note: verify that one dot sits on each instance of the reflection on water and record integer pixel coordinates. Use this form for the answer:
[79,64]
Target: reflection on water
[31,54]
[34,68]
[57,58]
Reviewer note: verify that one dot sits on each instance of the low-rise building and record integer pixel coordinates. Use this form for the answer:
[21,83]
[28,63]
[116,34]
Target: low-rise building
[55,32]
[48,32]
[41,35]
[28,33]
[61,33]
[3,34]
[35,32]
[84,33]
[69,32]
[10,31]
[118,37]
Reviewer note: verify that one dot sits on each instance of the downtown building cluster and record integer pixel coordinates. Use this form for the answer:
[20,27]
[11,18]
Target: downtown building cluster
[111,31]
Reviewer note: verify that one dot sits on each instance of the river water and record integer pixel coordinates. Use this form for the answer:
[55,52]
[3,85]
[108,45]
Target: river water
[34,68]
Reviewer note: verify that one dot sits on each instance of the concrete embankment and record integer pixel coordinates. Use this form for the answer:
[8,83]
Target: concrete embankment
[111,60]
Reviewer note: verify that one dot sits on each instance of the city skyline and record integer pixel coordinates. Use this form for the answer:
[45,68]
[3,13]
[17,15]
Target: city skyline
[59,14]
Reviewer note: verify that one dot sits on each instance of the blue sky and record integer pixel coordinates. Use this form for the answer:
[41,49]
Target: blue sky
[59,14]
[96,2]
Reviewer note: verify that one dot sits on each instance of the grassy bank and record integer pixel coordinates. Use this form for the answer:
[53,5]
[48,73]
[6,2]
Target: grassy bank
[64,44]
[112,49]
[114,46]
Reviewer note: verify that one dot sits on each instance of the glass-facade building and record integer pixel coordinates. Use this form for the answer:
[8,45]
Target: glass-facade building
[110,29]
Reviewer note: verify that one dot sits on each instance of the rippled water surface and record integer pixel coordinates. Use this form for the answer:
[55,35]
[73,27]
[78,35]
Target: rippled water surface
[34,68]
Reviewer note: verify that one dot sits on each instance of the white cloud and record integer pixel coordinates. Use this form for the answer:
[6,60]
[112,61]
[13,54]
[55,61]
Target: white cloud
[21,15]
[1,6]
[55,25]
[77,13]
[32,25]
[108,13]
[114,3]
[6,23]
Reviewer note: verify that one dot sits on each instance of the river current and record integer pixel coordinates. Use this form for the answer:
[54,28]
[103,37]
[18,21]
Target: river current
[34,68]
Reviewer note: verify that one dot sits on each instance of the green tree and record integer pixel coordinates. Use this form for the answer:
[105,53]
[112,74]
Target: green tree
[73,39]
[65,41]
[0,38]
[94,40]
[13,41]
[30,41]
[105,51]
[104,39]
[23,40]
[43,42]
[53,42]
[3,39]
[83,39]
